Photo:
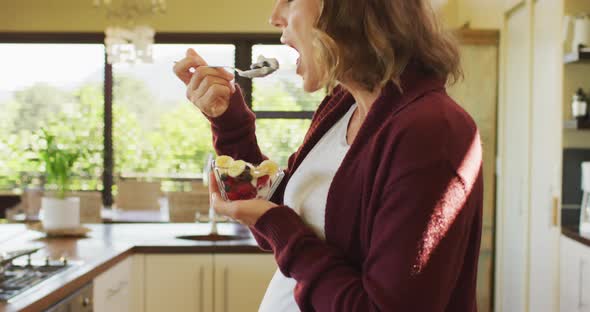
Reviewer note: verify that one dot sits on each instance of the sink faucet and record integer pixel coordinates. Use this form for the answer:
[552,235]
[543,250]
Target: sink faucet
[207,169]
[212,219]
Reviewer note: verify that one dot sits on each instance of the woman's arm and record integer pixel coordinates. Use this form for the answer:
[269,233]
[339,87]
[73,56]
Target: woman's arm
[234,132]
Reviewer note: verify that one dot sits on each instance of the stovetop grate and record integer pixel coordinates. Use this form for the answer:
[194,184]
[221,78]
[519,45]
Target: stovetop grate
[18,278]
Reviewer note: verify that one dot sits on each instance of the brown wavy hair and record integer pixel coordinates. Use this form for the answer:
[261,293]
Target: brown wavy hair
[370,42]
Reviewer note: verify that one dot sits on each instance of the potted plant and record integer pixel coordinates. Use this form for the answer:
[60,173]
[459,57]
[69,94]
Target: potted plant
[57,210]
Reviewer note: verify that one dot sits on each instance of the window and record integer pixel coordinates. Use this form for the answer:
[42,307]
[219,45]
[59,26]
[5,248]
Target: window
[57,81]
[157,131]
[57,87]
[281,99]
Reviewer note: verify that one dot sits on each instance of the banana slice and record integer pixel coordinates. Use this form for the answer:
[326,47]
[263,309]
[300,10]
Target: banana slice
[236,168]
[223,161]
[267,167]
[257,173]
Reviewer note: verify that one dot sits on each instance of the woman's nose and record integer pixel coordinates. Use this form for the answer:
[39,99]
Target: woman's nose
[276,19]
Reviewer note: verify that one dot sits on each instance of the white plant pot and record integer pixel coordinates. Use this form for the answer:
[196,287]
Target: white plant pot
[60,213]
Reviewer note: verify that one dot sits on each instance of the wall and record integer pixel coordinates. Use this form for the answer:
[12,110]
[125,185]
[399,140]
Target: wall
[575,76]
[182,16]
[485,14]
[205,15]
[447,10]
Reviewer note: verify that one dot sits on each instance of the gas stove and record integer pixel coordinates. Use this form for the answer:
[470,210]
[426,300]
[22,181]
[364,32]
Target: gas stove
[18,275]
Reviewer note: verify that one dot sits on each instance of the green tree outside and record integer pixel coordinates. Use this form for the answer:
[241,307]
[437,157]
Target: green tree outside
[147,138]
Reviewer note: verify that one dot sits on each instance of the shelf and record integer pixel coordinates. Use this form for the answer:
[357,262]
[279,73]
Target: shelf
[582,56]
[581,124]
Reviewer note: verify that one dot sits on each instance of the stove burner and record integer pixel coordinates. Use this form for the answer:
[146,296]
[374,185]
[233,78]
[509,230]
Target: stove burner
[15,278]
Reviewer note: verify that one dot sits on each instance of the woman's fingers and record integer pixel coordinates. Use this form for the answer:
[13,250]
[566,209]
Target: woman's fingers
[200,86]
[213,187]
[210,90]
[223,207]
[190,52]
[244,211]
[214,101]
[182,68]
[203,72]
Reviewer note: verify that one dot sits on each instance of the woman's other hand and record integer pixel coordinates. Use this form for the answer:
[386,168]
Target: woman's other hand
[246,212]
[209,89]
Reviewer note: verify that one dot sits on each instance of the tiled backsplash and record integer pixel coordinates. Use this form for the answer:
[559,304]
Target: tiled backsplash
[571,192]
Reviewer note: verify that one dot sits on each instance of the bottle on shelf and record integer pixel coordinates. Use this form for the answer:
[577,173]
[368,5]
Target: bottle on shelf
[579,104]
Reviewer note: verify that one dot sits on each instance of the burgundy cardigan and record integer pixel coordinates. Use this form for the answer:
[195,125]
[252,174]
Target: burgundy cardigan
[403,214]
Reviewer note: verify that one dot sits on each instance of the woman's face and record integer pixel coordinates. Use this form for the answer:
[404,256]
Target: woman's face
[296,19]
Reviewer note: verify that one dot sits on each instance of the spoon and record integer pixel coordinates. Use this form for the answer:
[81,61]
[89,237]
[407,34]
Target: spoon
[262,68]
[251,73]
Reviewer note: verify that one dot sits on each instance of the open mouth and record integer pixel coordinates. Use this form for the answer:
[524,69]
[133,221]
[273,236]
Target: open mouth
[298,61]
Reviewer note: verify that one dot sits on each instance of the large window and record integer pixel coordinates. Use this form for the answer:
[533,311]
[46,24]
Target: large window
[157,131]
[279,96]
[58,88]
[66,89]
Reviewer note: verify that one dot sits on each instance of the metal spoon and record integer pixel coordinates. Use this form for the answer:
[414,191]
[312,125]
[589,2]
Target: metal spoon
[251,73]
[262,68]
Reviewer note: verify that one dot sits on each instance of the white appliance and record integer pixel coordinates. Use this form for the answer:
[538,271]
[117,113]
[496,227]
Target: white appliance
[581,31]
[585,209]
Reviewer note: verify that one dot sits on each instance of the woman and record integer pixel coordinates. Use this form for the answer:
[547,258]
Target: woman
[380,208]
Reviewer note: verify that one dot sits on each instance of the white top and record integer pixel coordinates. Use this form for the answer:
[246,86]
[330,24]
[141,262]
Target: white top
[307,193]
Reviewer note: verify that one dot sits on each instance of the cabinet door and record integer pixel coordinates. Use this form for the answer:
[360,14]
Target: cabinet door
[112,288]
[137,283]
[584,292]
[178,283]
[569,268]
[545,163]
[514,179]
[241,281]
[575,276]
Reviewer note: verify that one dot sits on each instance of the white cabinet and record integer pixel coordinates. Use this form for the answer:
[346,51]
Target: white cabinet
[241,281]
[575,276]
[178,282]
[111,289]
[529,154]
[206,283]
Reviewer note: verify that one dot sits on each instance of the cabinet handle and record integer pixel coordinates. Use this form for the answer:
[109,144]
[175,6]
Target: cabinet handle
[113,291]
[581,303]
[555,211]
[86,302]
[225,288]
[201,297]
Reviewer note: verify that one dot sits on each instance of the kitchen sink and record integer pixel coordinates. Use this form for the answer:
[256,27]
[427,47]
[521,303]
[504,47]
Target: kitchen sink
[213,237]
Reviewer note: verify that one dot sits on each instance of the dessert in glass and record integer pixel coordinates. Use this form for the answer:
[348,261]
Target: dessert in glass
[240,180]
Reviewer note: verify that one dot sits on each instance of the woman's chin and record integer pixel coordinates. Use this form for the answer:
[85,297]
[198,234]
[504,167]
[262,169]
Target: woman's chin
[310,85]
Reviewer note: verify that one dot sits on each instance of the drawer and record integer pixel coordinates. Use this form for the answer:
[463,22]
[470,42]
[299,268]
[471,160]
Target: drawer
[112,288]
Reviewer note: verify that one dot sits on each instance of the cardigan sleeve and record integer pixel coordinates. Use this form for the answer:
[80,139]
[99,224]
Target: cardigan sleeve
[234,134]
[419,238]
[234,131]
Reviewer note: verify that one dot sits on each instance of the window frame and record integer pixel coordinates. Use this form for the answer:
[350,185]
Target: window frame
[243,43]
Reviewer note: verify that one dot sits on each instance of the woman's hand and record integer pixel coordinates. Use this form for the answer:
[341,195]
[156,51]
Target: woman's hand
[246,212]
[209,89]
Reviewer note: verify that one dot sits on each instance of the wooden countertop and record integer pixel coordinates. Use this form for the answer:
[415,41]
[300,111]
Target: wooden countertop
[106,245]
[574,233]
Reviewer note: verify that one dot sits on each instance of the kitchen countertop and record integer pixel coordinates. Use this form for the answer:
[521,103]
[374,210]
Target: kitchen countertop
[124,216]
[106,245]
[574,233]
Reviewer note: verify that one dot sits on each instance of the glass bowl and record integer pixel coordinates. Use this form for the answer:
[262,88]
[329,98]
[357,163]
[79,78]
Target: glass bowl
[250,183]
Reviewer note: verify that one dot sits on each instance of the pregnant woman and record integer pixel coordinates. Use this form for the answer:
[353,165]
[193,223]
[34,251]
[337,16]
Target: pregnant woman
[380,208]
